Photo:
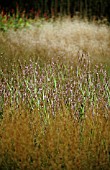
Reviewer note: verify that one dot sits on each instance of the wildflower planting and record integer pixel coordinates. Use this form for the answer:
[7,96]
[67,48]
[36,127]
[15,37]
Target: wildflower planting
[55,96]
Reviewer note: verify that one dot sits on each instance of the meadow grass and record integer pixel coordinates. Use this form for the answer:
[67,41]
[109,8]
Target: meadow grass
[62,38]
[28,142]
[55,96]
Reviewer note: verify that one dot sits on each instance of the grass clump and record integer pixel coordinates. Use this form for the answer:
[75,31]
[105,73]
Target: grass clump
[56,39]
[28,142]
[46,87]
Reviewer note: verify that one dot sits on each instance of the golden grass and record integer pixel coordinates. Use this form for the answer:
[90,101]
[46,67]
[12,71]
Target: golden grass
[28,142]
[58,39]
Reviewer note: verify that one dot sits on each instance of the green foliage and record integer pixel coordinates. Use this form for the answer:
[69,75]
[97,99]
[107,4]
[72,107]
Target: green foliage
[12,22]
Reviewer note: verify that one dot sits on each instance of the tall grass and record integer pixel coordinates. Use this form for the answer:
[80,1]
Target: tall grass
[55,96]
[47,86]
[57,39]
[27,142]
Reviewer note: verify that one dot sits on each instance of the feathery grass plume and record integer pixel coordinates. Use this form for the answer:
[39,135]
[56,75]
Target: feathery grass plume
[58,39]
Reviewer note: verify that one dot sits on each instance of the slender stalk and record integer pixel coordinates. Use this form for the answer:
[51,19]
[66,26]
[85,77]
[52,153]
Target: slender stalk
[56,8]
[68,10]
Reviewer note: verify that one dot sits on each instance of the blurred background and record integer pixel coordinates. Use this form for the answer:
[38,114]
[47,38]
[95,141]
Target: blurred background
[93,9]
